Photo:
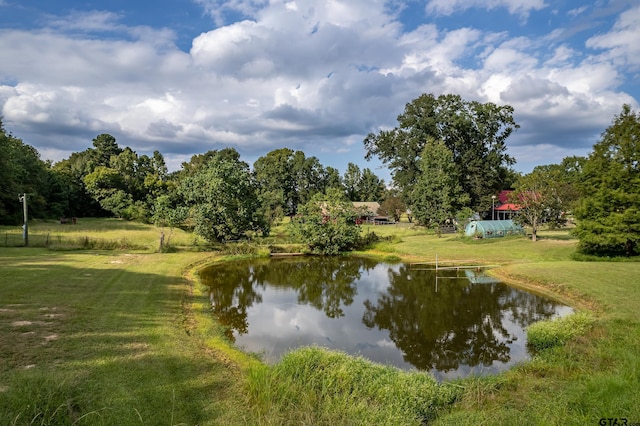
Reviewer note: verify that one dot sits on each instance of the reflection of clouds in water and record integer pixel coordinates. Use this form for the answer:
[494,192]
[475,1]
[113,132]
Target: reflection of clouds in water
[563,311]
[275,328]
[376,279]
[265,319]
[278,323]
[385,343]
[280,297]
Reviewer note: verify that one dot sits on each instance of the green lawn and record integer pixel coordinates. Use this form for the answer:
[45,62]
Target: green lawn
[124,337]
[100,338]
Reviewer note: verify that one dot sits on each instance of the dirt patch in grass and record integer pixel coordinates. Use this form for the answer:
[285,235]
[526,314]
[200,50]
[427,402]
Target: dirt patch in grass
[28,327]
[21,323]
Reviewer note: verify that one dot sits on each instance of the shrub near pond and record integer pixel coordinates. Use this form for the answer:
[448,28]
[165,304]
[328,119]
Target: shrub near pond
[327,224]
[547,334]
[330,387]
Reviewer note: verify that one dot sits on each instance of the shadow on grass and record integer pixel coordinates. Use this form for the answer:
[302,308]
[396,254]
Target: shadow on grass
[106,346]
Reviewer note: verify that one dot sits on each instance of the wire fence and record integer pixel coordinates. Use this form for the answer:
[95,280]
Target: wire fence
[50,240]
[54,241]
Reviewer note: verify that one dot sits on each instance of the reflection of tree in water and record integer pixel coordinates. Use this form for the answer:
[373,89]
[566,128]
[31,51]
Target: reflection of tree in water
[326,283]
[231,293]
[528,308]
[461,323]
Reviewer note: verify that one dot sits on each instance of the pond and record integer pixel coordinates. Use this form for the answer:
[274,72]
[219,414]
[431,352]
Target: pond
[450,323]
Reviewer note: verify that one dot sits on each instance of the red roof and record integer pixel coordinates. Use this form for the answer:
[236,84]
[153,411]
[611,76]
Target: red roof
[508,207]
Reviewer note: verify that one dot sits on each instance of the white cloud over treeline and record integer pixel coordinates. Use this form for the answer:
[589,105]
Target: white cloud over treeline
[310,75]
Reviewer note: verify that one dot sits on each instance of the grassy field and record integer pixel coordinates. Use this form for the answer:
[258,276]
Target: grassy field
[90,233]
[101,338]
[123,336]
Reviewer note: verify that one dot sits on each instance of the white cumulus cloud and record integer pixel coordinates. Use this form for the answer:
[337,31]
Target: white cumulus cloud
[310,75]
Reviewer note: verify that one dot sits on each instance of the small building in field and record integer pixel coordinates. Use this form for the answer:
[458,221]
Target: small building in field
[366,211]
[492,228]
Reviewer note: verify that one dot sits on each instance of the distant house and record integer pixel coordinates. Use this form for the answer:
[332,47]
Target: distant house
[504,209]
[507,211]
[367,211]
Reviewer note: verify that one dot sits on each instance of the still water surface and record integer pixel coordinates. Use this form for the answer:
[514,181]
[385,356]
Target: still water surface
[453,323]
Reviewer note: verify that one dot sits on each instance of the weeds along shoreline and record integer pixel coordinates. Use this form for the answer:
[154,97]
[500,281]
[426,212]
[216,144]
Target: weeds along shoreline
[446,397]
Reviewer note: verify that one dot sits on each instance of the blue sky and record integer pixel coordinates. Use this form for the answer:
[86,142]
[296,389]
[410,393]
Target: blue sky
[187,76]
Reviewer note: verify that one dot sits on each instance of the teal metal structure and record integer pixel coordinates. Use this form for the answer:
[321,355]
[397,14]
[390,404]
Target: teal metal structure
[492,228]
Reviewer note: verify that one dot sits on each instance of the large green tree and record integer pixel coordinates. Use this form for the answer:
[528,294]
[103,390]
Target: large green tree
[393,206]
[372,188]
[288,178]
[129,185]
[223,199]
[351,181]
[310,178]
[100,200]
[275,177]
[474,132]
[567,177]
[437,194]
[199,161]
[107,186]
[104,147]
[153,170]
[362,185]
[332,178]
[609,212]
[71,172]
[548,194]
[21,171]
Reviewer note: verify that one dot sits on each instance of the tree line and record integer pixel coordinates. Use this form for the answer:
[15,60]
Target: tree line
[447,156]
[215,193]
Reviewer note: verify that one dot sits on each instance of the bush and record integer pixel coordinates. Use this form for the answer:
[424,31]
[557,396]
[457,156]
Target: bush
[327,224]
[547,334]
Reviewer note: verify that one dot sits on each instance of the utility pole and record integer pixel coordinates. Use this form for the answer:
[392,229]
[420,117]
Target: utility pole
[493,207]
[25,227]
